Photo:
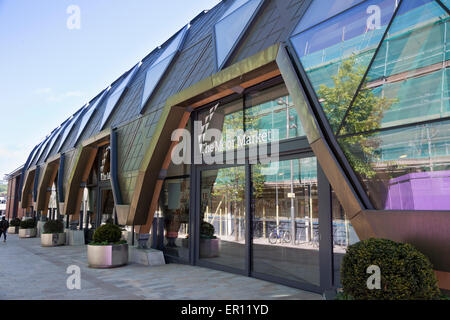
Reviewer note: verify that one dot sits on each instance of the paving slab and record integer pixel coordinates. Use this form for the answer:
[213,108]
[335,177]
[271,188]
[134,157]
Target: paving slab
[29,271]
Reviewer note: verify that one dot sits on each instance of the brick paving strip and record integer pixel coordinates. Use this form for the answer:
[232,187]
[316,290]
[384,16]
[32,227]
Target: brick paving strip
[29,271]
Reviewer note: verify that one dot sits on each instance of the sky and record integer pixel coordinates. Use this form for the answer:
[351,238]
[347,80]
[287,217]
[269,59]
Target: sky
[55,56]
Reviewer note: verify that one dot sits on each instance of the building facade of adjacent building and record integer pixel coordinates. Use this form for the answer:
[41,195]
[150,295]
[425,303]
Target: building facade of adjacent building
[334,122]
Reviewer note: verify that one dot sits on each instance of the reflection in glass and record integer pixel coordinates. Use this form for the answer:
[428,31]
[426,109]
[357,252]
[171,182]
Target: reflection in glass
[174,207]
[222,217]
[336,53]
[273,109]
[320,10]
[404,169]
[227,119]
[285,220]
[408,81]
[343,236]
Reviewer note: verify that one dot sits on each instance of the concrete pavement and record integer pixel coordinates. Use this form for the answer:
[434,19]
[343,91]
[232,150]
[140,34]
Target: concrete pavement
[29,271]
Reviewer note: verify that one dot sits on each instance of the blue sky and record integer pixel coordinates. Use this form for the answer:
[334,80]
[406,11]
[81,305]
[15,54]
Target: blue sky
[48,71]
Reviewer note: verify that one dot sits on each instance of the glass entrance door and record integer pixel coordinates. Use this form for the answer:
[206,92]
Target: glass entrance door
[222,227]
[285,220]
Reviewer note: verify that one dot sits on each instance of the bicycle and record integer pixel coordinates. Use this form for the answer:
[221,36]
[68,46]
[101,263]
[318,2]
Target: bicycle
[283,236]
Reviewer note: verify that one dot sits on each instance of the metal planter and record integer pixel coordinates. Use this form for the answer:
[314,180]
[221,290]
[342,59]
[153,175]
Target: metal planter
[53,239]
[27,233]
[209,248]
[105,257]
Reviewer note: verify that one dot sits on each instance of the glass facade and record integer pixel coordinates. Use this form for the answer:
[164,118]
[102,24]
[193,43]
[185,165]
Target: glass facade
[404,169]
[273,110]
[336,53]
[385,92]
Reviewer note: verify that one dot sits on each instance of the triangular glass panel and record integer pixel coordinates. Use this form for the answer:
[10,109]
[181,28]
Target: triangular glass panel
[446,3]
[321,10]
[236,4]
[336,53]
[158,68]
[87,114]
[35,152]
[68,129]
[44,146]
[174,46]
[408,81]
[232,25]
[116,95]
[54,138]
[152,78]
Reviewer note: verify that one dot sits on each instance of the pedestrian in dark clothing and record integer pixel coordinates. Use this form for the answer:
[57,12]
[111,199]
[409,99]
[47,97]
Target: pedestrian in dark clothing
[4,225]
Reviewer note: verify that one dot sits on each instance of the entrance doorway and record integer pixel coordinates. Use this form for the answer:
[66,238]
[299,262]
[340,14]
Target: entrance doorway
[261,220]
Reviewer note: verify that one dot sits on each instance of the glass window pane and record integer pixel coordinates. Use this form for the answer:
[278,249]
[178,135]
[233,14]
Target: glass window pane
[222,217]
[116,95]
[320,10]
[174,206]
[229,29]
[173,46]
[227,120]
[236,4]
[336,53]
[68,129]
[447,3]
[408,81]
[273,109]
[88,114]
[286,220]
[404,169]
[153,75]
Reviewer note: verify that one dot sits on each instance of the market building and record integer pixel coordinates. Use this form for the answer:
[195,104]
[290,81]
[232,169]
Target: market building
[348,101]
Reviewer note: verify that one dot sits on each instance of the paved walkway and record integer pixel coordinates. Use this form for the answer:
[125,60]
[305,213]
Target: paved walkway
[29,271]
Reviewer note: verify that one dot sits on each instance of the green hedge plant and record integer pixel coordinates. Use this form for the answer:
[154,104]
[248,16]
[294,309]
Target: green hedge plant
[406,274]
[107,234]
[15,222]
[207,231]
[53,226]
[28,224]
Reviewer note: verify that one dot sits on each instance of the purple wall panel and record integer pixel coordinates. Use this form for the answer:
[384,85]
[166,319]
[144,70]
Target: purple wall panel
[419,191]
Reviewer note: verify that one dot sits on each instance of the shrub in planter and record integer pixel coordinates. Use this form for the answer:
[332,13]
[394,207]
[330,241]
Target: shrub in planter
[107,234]
[53,234]
[14,225]
[27,229]
[209,244]
[107,250]
[53,226]
[406,274]
[207,231]
[28,224]
[15,222]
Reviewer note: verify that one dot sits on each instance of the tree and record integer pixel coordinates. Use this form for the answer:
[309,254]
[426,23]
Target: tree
[365,115]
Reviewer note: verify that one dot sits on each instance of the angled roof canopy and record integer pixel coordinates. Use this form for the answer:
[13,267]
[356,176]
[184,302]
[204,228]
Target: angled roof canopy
[114,97]
[159,67]
[231,27]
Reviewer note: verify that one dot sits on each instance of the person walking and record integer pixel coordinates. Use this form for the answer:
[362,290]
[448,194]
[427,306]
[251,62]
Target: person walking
[4,225]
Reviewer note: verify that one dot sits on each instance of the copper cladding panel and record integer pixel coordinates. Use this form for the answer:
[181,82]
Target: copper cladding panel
[428,231]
